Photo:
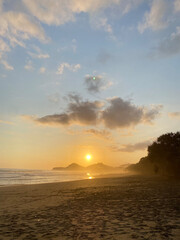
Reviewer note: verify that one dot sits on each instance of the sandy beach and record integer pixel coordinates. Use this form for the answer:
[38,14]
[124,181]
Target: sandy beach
[132,207]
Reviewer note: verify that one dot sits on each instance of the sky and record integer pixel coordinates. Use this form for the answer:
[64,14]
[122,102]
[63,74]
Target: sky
[77,77]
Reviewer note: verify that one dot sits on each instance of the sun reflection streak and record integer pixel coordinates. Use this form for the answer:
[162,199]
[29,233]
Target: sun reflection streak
[89,176]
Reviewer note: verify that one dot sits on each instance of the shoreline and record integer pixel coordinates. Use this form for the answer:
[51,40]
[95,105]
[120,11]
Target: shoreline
[127,207]
[111,175]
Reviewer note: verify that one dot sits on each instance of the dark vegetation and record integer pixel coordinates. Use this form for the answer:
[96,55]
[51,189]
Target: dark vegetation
[163,157]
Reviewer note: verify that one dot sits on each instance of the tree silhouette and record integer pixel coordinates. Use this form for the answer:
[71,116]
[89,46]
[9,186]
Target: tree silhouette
[163,156]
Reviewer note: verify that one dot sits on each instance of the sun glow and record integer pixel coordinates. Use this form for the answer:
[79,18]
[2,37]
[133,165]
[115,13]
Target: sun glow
[88,157]
[89,176]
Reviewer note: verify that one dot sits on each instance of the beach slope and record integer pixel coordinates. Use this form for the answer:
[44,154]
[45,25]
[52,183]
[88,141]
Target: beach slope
[132,207]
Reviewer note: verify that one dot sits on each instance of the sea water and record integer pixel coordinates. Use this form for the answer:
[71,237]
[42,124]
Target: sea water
[23,176]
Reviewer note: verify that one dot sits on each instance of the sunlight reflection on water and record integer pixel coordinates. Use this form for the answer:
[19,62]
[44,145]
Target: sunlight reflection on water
[89,176]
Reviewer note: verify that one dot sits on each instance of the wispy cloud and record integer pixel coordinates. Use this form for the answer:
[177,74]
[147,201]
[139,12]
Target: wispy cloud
[70,67]
[3,49]
[38,53]
[60,12]
[54,98]
[17,27]
[174,114]
[99,22]
[7,65]
[157,18]
[4,46]
[131,147]
[177,5]
[42,70]
[29,66]
[151,113]
[6,122]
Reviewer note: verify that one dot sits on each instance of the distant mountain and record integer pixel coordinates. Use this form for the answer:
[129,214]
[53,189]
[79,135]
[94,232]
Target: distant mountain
[71,167]
[94,168]
[74,167]
[100,167]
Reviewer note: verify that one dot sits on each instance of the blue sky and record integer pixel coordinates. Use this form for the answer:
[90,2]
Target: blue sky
[103,72]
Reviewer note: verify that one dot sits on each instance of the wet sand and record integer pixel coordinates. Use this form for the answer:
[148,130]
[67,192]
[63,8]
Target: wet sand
[132,207]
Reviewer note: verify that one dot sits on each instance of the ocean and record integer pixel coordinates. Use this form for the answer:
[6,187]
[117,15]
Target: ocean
[23,176]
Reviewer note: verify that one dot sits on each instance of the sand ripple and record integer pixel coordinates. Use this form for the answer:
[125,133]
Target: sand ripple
[128,208]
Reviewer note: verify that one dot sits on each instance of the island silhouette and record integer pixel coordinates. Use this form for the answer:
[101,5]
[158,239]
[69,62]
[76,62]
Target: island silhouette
[93,168]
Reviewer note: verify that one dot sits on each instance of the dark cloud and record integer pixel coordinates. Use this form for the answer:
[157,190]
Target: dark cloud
[63,119]
[121,113]
[73,97]
[84,112]
[78,112]
[114,113]
[131,147]
[95,84]
[151,114]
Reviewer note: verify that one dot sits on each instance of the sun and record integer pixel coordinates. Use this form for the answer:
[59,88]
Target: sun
[88,157]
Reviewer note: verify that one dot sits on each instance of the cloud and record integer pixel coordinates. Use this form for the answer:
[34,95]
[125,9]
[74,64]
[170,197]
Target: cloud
[56,12]
[121,114]
[59,12]
[104,134]
[157,18]
[29,66]
[177,5]
[6,65]
[54,98]
[42,70]
[78,112]
[170,46]
[128,5]
[116,114]
[72,68]
[174,114]
[4,46]
[62,119]
[17,27]
[150,114]
[102,23]
[95,84]
[38,53]
[3,49]
[6,122]
[131,147]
